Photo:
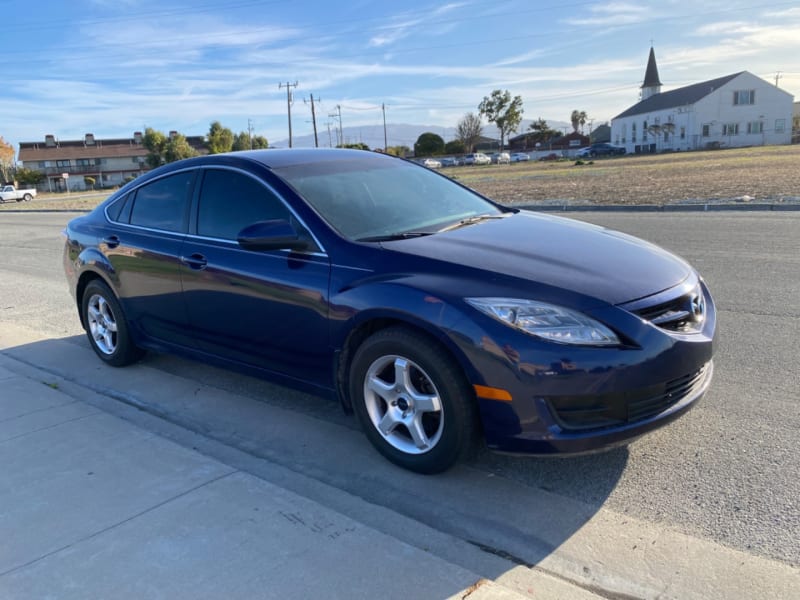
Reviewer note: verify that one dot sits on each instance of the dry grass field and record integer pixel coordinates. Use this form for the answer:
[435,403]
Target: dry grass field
[768,174]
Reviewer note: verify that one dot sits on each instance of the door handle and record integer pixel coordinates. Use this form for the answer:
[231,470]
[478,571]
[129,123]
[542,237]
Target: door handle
[195,261]
[111,241]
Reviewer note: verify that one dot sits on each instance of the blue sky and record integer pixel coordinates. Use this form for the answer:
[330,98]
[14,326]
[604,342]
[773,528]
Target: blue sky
[112,67]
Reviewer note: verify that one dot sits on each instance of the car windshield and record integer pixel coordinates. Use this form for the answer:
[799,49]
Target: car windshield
[376,199]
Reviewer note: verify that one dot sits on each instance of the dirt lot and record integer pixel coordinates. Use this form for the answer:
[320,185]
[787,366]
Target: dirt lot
[770,174]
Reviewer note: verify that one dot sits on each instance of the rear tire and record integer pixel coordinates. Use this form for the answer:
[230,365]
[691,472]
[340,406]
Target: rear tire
[27,197]
[107,327]
[413,401]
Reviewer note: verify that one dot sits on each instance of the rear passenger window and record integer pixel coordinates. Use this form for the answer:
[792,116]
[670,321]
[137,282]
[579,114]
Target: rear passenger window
[162,204]
[230,201]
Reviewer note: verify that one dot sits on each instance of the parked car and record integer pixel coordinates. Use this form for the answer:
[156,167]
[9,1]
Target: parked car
[432,163]
[9,192]
[601,149]
[449,161]
[500,158]
[371,279]
[520,157]
[478,158]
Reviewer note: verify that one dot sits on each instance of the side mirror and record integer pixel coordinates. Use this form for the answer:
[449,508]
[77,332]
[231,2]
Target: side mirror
[277,234]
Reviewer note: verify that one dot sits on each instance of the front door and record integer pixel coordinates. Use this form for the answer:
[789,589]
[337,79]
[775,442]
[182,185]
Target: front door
[267,309]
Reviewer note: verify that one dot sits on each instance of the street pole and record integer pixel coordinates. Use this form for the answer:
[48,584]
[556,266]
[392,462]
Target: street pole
[289,87]
[385,143]
[314,120]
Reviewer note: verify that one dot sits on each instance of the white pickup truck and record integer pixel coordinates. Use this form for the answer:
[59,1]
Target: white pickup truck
[9,192]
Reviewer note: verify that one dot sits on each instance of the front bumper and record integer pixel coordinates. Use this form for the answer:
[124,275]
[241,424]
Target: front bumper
[571,399]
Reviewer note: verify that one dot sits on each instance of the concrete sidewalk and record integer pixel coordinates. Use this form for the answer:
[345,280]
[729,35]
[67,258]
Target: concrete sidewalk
[94,506]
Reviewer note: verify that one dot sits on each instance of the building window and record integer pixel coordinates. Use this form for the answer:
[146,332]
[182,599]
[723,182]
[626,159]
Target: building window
[741,97]
[666,135]
[683,133]
[755,127]
[730,129]
[707,130]
[633,132]
[62,163]
[85,162]
[780,125]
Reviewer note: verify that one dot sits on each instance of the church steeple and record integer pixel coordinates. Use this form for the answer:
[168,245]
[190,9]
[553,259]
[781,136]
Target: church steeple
[652,84]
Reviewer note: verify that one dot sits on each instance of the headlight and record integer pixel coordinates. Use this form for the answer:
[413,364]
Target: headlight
[547,321]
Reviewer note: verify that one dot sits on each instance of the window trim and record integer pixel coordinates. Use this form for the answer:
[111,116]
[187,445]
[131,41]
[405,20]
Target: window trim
[195,208]
[132,201]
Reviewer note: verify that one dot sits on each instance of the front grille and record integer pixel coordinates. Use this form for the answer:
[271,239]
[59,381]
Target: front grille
[612,410]
[684,314]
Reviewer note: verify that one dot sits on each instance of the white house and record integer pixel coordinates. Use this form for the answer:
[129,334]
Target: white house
[732,111]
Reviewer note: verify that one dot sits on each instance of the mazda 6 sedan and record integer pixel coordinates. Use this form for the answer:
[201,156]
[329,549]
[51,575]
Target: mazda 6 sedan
[434,314]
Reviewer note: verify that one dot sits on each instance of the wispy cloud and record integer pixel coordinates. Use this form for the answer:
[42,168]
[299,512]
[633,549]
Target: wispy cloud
[404,26]
[613,13]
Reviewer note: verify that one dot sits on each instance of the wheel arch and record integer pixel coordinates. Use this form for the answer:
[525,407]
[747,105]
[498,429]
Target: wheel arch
[369,326]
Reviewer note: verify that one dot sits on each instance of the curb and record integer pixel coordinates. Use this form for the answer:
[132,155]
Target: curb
[707,207]
[660,207]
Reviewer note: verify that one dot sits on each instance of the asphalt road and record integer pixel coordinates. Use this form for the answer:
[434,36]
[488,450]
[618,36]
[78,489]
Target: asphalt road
[729,471]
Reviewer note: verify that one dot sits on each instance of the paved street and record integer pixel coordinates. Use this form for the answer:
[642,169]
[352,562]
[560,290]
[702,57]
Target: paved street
[721,483]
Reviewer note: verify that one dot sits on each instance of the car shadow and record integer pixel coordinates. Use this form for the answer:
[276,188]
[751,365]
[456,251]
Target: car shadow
[519,509]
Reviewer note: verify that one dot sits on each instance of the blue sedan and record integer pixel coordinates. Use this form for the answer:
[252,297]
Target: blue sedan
[434,314]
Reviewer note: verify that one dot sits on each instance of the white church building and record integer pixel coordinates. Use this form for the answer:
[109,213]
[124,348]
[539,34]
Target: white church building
[728,112]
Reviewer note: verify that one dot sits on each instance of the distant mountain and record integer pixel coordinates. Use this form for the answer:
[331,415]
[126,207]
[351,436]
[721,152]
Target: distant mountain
[396,134]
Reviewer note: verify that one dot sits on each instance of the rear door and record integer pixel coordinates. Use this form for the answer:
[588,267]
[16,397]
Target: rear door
[267,309]
[143,245]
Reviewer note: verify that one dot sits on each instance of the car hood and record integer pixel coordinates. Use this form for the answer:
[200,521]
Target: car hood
[586,259]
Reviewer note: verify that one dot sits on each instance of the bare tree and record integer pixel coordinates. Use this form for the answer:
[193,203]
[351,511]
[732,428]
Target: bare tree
[469,130]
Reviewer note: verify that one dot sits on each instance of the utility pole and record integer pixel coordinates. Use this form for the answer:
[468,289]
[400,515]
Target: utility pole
[338,114]
[289,87]
[778,76]
[250,132]
[330,140]
[385,143]
[314,120]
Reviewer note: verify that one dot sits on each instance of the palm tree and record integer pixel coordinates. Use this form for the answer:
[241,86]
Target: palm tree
[578,118]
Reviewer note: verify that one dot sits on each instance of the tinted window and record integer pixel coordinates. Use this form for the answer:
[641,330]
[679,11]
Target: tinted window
[115,210]
[162,204]
[230,201]
[367,197]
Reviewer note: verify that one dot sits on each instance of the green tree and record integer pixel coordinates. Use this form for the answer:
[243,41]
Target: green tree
[163,149]
[155,142]
[27,176]
[428,144]
[401,151]
[6,160]
[177,148]
[454,147]
[469,130]
[220,139]
[542,132]
[506,113]
[356,146]
[244,141]
[578,119]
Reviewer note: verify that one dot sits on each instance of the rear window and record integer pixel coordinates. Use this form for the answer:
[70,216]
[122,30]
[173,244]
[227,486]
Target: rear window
[162,204]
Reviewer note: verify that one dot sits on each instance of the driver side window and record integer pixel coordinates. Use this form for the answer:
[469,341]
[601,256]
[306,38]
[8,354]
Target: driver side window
[229,201]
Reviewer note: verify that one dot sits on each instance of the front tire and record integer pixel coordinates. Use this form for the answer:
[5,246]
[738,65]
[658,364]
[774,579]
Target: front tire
[412,400]
[106,326]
